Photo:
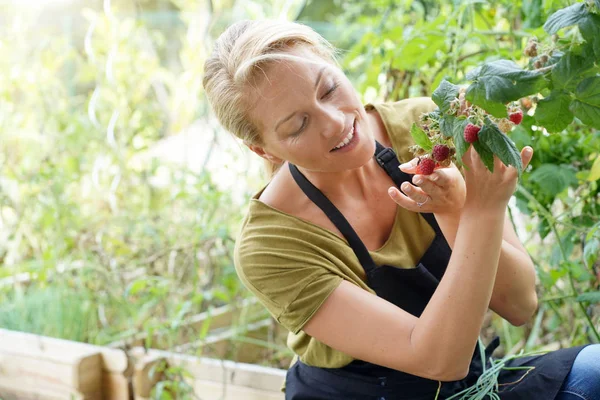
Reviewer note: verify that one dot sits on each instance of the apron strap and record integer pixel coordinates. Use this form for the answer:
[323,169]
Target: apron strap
[387,159]
[336,217]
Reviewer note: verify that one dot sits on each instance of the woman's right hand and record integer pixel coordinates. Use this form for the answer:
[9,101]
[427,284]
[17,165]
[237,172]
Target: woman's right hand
[490,191]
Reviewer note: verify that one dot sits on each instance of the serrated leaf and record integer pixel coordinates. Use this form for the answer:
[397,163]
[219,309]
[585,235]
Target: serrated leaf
[421,138]
[444,94]
[447,125]
[595,171]
[476,95]
[586,107]
[565,17]
[592,297]
[553,111]
[501,145]
[569,69]
[589,27]
[499,82]
[458,136]
[485,154]
[552,178]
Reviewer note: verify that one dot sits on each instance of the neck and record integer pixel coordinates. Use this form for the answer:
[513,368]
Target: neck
[349,184]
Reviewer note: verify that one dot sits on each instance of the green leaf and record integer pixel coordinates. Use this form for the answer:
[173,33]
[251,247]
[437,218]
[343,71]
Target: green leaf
[590,251]
[444,94]
[565,17]
[499,82]
[485,154]
[589,27]
[447,125]
[476,95]
[595,171]
[501,145]
[553,111]
[458,135]
[569,69]
[420,137]
[592,297]
[586,107]
[552,178]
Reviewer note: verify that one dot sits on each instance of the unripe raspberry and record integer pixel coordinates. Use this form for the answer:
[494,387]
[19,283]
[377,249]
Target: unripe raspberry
[425,166]
[471,133]
[446,163]
[504,125]
[440,152]
[531,48]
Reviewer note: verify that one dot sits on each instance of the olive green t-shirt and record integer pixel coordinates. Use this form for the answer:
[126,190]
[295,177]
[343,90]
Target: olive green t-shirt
[292,265]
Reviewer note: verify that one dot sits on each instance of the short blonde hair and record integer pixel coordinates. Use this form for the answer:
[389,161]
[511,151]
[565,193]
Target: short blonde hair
[239,54]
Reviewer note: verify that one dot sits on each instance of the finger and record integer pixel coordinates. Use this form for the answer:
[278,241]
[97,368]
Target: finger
[476,160]
[416,194]
[526,156]
[498,164]
[467,158]
[439,177]
[403,200]
[425,183]
[410,167]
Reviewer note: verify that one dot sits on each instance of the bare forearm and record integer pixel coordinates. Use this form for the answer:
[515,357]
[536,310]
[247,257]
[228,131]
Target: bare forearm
[452,319]
[514,296]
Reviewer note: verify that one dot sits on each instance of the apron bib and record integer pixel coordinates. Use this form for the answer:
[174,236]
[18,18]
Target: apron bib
[411,289]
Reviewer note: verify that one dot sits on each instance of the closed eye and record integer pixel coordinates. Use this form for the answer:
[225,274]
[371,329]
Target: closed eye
[330,91]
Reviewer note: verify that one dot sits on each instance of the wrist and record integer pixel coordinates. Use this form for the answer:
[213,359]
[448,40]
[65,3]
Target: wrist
[483,213]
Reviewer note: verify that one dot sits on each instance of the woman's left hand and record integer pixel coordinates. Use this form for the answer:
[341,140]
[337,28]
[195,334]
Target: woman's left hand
[442,192]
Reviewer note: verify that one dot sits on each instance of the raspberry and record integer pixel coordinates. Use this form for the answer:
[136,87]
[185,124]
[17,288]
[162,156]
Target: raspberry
[471,133]
[440,152]
[425,166]
[516,117]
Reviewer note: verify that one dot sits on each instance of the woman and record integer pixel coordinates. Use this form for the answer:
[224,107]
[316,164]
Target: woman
[351,265]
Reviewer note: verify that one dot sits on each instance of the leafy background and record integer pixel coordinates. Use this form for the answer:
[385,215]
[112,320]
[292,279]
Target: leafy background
[120,196]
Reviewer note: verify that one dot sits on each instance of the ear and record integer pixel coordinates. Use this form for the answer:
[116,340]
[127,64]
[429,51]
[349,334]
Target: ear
[265,154]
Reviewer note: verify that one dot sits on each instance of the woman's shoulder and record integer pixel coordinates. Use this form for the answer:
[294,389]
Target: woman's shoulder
[397,118]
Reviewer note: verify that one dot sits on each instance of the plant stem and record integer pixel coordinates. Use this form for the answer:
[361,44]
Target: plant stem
[551,222]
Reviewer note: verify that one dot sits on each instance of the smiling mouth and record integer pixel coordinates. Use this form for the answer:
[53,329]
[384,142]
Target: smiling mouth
[347,139]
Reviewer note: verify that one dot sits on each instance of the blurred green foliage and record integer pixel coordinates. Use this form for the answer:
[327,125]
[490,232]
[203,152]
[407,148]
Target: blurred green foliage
[99,242]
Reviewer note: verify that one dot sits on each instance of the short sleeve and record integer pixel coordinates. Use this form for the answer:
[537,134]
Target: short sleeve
[290,276]
[398,118]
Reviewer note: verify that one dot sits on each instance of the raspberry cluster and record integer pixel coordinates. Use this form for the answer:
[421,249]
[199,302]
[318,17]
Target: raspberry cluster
[443,150]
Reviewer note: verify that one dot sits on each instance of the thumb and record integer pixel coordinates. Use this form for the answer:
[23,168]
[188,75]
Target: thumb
[526,156]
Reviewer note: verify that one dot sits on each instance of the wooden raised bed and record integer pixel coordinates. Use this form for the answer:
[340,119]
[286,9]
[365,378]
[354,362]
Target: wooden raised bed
[39,367]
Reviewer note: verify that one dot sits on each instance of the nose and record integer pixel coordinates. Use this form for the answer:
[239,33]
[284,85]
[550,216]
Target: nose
[333,122]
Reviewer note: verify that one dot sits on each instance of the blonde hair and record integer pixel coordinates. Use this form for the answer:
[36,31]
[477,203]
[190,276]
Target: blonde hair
[239,55]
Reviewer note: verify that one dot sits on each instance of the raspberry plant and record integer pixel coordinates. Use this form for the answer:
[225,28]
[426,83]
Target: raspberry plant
[562,75]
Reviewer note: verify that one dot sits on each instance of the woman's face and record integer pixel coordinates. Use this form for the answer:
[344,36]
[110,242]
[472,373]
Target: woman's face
[310,115]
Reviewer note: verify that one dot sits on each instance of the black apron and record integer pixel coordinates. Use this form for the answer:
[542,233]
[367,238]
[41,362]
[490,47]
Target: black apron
[411,289]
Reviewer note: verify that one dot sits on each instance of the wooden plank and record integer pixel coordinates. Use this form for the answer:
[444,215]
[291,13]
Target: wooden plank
[83,374]
[223,371]
[116,386]
[145,374]
[43,347]
[15,391]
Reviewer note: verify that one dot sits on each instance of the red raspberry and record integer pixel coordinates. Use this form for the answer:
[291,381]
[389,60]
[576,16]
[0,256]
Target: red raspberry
[516,117]
[425,166]
[440,152]
[471,133]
